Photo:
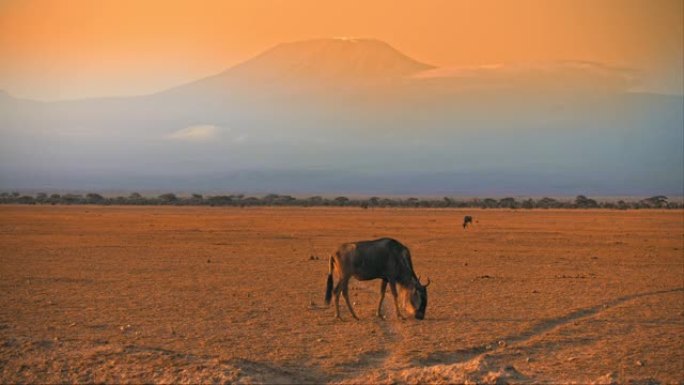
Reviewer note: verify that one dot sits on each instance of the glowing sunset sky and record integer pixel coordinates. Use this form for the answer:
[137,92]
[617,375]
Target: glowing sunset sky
[73,49]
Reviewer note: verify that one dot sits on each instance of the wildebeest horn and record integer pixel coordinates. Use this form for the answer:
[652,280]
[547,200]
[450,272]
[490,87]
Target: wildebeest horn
[428,283]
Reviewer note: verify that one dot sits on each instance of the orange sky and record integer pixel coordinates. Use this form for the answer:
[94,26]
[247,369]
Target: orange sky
[53,49]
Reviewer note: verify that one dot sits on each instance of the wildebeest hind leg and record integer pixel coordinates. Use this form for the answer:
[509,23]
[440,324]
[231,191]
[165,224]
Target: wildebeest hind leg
[337,291]
[345,293]
[383,287]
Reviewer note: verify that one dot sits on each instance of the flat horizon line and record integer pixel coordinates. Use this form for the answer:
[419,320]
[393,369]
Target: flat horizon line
[113,193]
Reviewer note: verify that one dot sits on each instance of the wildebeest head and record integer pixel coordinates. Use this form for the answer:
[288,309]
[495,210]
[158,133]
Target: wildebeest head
[417,299]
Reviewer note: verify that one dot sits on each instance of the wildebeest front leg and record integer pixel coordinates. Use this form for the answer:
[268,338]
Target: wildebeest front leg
[393,288]
[383,287]
[345,293]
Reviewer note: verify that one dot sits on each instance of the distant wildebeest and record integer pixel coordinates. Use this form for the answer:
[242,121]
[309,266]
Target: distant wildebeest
[467,220]
[385,259]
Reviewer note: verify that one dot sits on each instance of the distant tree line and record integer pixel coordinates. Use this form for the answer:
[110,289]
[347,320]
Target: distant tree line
[240,200]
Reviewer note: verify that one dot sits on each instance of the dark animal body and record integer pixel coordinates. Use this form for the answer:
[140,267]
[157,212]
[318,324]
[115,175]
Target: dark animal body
[467,220]
[384,259]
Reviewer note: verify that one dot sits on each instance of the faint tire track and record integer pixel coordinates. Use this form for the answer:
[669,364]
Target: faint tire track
[465,355]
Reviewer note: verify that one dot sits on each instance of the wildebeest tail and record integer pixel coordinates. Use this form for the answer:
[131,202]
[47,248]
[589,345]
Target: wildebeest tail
[329,284]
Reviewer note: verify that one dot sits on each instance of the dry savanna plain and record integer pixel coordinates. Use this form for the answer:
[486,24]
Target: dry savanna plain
[233,295]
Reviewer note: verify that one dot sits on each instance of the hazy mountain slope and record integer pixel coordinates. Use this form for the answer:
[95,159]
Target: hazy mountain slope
[357,115]
[317,64]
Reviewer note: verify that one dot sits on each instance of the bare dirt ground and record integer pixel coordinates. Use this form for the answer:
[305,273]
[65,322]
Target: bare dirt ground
[214,295]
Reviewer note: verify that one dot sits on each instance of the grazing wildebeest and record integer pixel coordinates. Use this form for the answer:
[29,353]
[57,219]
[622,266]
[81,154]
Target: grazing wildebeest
[467,220]
[385,259]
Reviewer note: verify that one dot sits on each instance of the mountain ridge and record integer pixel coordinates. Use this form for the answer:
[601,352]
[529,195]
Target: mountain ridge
[346,63]
[301,106]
